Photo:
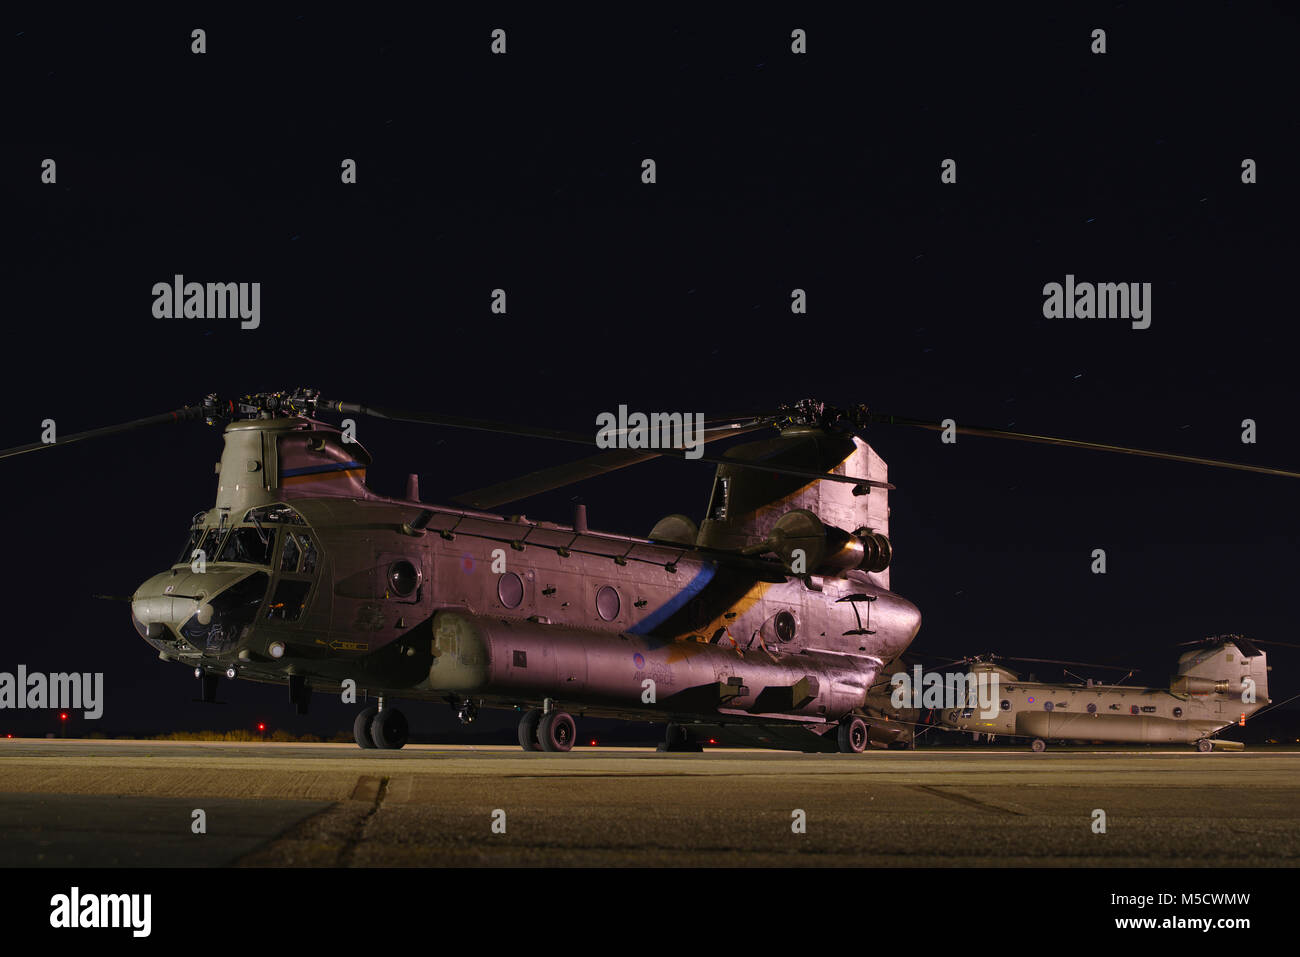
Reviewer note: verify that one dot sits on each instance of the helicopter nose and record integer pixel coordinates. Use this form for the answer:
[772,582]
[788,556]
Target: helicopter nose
[206,613]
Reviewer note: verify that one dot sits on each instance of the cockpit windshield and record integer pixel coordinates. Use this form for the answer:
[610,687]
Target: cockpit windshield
[251,545]
[187,553]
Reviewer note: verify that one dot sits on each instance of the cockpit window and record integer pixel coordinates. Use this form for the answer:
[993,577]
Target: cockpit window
[289,554]
[211,541]
[308,556]
[273,515]
[187,553]
[250,545]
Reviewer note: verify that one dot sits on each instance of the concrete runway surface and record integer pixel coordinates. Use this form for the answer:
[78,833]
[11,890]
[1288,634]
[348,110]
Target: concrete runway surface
[124,803]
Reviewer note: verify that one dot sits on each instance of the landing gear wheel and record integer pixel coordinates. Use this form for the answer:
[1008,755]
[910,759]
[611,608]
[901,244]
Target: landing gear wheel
[361,727]
[678,737]
[389,729]
[853,735]
[1038,745]
[556,731]
[1204,745]
[528,730]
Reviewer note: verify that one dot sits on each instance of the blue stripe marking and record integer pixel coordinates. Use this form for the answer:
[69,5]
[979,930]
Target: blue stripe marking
[316,469]
[676,603]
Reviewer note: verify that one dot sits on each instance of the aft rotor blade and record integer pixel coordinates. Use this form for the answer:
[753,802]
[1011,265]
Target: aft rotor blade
[1076,664]
[188,413]
[1079,444]
[501,428]
[549,479]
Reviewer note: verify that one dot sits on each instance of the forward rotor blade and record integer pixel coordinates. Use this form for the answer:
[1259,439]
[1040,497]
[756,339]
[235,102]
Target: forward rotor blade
[501,428]
[187,413]
[548,479]
[1079,444]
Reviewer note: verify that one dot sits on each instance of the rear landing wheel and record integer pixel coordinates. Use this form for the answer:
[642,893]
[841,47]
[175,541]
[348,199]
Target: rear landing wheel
[1039,745]
[853,735]
[528,730]
[1204,745]
[556,731]
[361,727]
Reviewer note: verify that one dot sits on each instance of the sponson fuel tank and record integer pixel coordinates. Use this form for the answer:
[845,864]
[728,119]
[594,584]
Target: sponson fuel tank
[500,658]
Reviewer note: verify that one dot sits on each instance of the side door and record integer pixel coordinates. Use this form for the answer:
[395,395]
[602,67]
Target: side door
[295,572]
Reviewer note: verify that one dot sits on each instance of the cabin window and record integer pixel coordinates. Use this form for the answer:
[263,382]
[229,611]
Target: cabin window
[785,626]
[1178,712]
[510,590]
[1006,705]
[403,577]
[608,603]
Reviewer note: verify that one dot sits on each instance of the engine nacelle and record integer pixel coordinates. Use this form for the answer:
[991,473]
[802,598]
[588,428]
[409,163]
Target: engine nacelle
[809,546]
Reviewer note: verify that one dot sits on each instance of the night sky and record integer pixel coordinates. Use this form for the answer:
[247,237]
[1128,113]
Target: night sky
[775,171]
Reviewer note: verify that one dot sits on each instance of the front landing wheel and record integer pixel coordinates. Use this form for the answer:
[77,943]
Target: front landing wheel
[361,727]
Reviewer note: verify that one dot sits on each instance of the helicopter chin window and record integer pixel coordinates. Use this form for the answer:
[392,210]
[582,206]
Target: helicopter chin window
[250,545]
[232,611]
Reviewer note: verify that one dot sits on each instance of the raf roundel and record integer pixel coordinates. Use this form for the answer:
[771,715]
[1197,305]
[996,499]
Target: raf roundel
[639,660]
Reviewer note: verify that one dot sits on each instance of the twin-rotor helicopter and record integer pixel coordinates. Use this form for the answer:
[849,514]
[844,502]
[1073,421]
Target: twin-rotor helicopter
[771,622]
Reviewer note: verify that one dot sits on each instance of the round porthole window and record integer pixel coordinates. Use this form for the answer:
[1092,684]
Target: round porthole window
[1047,705]
[510,589]
[785,626]
[403,577]
[1178,712]
[608,602]
[1092,708]
[1006,705]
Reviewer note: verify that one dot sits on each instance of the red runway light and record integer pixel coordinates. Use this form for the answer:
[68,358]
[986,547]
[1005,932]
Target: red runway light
[63,716]
[593,742]
[261,727]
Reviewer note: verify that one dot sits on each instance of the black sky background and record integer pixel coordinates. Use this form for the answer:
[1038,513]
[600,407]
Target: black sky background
[775,171]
